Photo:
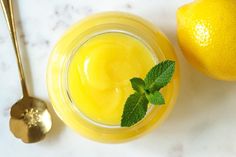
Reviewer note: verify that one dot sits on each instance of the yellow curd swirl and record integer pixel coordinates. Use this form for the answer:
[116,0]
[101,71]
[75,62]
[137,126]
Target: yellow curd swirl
[100,72]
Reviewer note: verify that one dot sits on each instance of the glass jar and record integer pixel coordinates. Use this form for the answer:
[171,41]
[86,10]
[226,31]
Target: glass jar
[72,40]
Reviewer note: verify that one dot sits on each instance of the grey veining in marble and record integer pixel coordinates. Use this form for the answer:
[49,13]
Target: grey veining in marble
[202,123]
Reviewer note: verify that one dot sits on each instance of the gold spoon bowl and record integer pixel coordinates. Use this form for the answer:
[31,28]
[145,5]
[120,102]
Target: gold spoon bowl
[30,119]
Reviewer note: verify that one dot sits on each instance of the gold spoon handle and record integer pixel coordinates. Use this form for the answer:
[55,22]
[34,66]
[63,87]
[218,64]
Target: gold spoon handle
[7,6]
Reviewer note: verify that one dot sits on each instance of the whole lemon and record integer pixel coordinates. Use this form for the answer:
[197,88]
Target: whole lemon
[206,32]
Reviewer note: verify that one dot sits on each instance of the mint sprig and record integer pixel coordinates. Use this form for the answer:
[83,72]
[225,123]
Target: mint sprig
[147,91]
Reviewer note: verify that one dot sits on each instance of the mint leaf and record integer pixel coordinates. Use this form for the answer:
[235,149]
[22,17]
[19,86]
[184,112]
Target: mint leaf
[155,98]
[134,110]
[159,76]
[147,91]
[138,84]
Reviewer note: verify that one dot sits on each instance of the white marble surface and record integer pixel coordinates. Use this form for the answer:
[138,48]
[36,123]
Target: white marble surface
[202,123]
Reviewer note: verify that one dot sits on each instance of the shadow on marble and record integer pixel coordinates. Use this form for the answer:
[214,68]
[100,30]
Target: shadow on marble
[196,87]
[57,123]
[198,107]
[57,127]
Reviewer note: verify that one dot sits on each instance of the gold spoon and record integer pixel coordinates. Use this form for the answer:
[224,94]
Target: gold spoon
[30,120]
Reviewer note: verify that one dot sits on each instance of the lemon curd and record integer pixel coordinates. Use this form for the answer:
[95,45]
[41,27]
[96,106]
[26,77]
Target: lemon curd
[89,72]
[100,71]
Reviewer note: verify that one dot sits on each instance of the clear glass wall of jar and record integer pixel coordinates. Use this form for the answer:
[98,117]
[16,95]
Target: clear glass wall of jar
[72,40]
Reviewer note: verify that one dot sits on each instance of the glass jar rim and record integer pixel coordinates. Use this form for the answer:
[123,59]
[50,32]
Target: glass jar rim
[86,39]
